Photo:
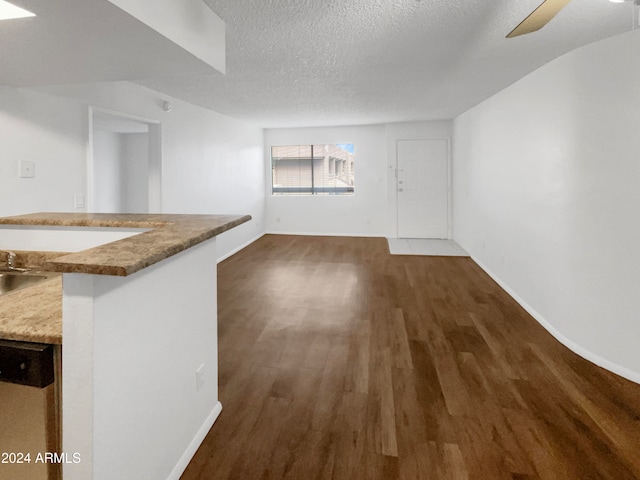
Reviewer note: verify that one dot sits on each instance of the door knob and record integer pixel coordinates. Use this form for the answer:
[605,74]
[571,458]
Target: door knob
[399,189]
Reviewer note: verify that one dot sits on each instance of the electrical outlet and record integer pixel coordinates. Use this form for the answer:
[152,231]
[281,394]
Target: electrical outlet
[200,378]
[27,169]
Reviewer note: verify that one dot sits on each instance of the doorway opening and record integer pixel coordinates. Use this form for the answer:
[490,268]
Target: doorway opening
[124,172]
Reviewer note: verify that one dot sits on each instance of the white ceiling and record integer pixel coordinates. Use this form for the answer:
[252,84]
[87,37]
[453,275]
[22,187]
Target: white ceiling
[310,62]
[78,41]
[339,62]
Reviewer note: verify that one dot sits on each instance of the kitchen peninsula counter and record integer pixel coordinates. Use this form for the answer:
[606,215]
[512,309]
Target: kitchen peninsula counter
[126,328]
[168,234]
[34,313]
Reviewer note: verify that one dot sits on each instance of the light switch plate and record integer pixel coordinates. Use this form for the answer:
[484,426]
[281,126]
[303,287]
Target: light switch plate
[78,200]
[27,169]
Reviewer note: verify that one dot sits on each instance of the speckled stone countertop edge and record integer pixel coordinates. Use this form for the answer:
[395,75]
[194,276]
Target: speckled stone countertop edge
[169,235]
[33,314]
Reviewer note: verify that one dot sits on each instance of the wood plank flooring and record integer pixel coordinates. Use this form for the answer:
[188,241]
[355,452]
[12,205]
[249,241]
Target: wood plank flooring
[340,361]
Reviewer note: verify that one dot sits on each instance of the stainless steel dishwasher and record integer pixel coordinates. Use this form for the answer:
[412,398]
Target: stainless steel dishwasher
[29,419]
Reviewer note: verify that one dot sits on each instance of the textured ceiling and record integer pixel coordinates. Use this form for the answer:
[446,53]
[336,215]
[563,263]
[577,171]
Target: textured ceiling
[341,62]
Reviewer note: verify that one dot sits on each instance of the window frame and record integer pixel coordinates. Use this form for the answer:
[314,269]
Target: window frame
[333,169]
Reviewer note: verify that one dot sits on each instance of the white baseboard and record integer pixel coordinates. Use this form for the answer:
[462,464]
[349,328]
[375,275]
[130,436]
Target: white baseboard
[237,249]
[567,342]
[186,457]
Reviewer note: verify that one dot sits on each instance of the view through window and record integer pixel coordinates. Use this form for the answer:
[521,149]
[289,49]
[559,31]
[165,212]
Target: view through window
[313,169]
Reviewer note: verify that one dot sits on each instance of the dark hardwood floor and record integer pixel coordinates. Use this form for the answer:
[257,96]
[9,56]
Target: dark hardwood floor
[340,361]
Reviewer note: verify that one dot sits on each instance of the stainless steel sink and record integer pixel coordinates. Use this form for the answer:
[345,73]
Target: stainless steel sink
[10,281]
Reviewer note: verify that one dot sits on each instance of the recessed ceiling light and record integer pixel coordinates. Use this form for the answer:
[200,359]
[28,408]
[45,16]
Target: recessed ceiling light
[9,11]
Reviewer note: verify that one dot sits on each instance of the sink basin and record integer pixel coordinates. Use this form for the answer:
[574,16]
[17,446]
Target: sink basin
[10,281]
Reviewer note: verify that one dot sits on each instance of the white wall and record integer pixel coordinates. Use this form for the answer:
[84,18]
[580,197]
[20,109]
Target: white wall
[211,163]
[107,172]
[547,196]
[362,213]
[48,131]
[135,155]
[192,25]
[371,211]
[120,172]
[60,239]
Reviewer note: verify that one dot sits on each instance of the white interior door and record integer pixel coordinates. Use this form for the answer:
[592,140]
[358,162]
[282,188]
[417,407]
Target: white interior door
[423,188]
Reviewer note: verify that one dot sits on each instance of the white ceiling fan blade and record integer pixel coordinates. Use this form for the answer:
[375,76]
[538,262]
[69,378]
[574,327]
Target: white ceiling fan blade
[539,17]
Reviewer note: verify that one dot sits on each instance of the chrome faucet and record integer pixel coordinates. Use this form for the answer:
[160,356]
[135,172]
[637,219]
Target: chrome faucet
[11,262]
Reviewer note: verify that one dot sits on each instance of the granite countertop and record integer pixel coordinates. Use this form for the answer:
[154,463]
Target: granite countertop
[169,234]
[34,313]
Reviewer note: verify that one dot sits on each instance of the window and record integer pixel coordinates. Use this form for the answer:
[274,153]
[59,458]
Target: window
[312,169]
